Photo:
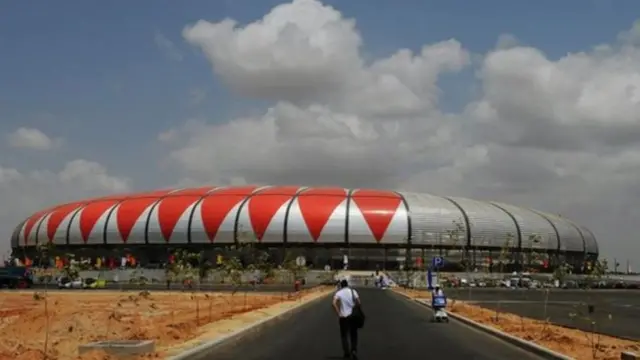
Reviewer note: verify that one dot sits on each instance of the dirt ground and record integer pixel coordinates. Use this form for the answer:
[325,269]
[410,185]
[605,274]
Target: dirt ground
[80,317]
[574,343]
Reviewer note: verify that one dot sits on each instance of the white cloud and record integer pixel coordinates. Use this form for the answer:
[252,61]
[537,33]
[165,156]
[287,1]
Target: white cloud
[24,193]
[296,51]
[34,139]
[560,135]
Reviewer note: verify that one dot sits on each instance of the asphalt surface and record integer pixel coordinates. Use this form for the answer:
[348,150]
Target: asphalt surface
[176,287]
[616,312]
[396,328]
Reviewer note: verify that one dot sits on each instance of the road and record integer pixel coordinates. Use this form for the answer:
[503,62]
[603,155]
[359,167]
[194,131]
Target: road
[622,305]
[396,328]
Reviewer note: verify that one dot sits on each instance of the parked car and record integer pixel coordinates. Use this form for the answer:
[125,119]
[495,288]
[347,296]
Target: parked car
[16,277]
[92,283]
[80,283]
[68,283]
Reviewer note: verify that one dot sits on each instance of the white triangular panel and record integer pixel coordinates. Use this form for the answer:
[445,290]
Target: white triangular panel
[137,234]
[225,231]
[359,232]
[333,231]
[398,230]
[179,233]
[40,231]
[96,236]
[60,236]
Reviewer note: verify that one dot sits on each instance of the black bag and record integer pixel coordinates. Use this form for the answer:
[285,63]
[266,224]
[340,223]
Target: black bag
[357,315]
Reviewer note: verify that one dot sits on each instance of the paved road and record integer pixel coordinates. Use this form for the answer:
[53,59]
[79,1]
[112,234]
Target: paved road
[622,305]
[396,329]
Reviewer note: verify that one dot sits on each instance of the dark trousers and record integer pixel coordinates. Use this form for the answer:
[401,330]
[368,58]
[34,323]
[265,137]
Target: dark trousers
[348,332]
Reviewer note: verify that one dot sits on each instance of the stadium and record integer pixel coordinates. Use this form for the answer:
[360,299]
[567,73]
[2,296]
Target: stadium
[370,229]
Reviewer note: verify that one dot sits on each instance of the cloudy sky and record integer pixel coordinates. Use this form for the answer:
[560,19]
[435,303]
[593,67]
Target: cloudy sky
[531,103]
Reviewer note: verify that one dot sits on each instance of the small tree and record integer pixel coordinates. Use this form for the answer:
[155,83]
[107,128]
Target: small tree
[561,271]
[252,262]
[265,265]
[137,278]
[594,271]
[187,272]
[506,252]
[458,239]
[71,269]
[290,265]
[44,251]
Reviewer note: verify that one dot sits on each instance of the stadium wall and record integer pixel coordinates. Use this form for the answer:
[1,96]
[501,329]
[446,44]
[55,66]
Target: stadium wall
[377,224]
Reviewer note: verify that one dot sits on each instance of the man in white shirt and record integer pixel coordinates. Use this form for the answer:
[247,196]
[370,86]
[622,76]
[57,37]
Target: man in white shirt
[344,301]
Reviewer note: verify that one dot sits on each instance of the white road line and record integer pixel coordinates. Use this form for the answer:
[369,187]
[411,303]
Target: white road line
[523,302]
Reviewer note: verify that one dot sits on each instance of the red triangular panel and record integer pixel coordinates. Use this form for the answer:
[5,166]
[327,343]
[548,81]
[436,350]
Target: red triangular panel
[262,209]
[57,216]
[170,210]
[128,213]
[264,205]
[316,207]
[90,215]
[377,208]
[214,210]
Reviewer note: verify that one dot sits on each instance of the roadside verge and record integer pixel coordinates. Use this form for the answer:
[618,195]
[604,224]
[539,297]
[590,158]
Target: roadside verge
[207,348]
[541,351]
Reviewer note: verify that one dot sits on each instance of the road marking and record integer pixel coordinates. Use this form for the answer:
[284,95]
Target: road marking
[523,302]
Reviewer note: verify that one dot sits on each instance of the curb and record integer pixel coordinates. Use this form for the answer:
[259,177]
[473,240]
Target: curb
[205,350]
[532,347]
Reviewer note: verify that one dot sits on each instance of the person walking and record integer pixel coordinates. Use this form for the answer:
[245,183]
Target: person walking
[344,302]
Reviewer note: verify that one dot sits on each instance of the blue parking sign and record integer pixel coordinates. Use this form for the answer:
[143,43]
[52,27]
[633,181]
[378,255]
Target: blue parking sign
[437,262]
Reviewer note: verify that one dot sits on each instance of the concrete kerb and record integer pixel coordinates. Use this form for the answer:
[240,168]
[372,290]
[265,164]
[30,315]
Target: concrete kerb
[207,349]
[532,347]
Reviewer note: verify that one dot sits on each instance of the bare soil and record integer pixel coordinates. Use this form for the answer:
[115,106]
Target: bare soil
[574,343]
[79,317]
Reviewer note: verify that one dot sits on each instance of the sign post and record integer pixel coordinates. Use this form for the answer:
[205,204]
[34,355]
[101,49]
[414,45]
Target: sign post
[437,262]
[432,279]
[301,261]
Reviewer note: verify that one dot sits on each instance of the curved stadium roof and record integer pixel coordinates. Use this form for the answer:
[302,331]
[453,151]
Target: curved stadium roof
[295,214]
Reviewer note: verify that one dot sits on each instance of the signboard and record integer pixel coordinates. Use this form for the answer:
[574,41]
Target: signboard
[301,261]
[437,262]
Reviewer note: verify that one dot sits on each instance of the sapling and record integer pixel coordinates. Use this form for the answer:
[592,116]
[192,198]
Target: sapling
[594,272]
[291,266]
[505,254]
[187,273]
[533,240]
[232,269]
[44,251]
[456,236]
[247,247]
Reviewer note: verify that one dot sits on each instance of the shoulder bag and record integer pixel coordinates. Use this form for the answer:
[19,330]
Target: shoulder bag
[357,314]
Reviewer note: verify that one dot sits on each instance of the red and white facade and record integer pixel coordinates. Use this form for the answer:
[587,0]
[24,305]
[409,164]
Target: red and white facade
[299,215]
[220,215]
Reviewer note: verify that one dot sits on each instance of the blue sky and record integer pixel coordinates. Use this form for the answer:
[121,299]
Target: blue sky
[109,76]
[90,71]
